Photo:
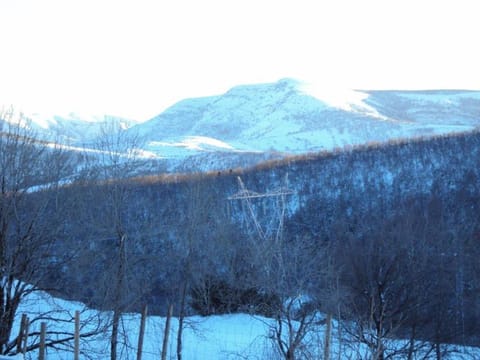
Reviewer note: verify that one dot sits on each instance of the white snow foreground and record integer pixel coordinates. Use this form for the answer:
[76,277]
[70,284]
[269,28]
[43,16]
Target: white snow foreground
[234,336]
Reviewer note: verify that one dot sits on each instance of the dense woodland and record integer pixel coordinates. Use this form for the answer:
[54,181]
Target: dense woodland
[387,231]
[382,236]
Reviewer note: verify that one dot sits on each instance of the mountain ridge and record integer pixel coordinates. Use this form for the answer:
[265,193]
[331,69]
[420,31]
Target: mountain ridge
[291,117]
[283,117]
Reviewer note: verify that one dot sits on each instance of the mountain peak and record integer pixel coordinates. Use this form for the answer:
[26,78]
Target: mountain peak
[292,116]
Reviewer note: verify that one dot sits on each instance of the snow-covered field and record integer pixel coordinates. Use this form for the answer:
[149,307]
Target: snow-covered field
[234,336]
[237,336]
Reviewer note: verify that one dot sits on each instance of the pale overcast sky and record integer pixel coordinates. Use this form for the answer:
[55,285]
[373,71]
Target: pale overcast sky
[134,58]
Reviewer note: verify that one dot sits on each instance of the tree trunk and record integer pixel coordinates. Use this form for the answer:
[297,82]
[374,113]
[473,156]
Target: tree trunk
[438,351]
[117,311]
[166,333]
[290,354]
[142,333]
[181,318]
[8,311]
[411,345]
[114,337]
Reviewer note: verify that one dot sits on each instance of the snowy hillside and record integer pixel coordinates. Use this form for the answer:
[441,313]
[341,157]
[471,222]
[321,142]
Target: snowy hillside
[292,117]
[253,122]
[72,129]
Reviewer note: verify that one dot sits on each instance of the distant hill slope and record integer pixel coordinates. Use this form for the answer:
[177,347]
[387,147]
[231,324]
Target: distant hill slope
[72,128]
[251,123]
[291,117]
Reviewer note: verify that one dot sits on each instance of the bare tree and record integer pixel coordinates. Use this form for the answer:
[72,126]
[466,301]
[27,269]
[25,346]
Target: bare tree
[386,267]
[31,222]
[115,161]
[190,253]
[200,253]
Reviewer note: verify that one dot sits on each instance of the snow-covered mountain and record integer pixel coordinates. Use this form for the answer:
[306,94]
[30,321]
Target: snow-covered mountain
[73,129]
[288,116]
[253,122]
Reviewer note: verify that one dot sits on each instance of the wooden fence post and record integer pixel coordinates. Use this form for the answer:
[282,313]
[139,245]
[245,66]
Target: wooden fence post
[43,334]
[142,333]
[21,333]
[25,336]
[76,348]
[167,332]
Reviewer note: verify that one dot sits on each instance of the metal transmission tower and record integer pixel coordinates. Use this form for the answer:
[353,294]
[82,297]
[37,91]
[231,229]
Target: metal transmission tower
[246,197]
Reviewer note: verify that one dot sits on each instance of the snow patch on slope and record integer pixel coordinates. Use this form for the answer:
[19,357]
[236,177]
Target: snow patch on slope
[343,99]
[195,143]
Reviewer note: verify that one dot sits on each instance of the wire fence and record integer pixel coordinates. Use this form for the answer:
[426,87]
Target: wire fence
[238,336]
[226,337]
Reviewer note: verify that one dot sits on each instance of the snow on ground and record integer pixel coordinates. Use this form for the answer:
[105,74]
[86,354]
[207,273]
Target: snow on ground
[216,337]
[235,336]
[344,99]
[196,143]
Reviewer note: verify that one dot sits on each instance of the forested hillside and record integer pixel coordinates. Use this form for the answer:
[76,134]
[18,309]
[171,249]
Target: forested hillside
[382,235]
